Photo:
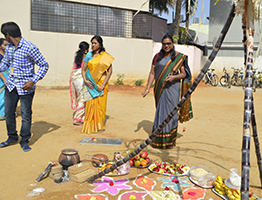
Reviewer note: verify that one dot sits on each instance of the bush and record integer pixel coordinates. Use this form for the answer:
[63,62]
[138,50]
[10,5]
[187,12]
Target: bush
[119,80]
[139,82]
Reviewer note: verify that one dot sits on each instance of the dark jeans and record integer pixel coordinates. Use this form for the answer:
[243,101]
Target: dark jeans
[11,100]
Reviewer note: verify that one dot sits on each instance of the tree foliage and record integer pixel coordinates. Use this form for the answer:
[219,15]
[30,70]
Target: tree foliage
[188,6]
[161,6]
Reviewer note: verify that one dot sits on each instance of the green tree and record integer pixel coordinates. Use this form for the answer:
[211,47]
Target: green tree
[177,19]
[188,6]
[161,6]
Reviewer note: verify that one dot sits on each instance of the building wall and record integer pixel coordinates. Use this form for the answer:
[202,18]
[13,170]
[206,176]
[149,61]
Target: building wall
[125,4]
[194,55]
[231,53]
[132,56]
[159,28]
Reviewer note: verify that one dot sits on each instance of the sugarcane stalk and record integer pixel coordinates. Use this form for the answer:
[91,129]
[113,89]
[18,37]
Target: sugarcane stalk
[249,19]
[253,119]
[178,106]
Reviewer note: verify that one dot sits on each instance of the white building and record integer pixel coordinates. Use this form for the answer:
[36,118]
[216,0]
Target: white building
[58,26]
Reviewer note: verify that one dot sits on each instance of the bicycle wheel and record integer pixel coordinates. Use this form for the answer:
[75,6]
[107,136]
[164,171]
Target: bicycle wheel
[233,80]
[229,82]
[214,80]
[204,80]
[237,81]
[223,81]
[259,84]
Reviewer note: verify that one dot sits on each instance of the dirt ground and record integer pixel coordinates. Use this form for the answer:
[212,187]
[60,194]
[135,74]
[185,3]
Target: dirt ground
[213,138]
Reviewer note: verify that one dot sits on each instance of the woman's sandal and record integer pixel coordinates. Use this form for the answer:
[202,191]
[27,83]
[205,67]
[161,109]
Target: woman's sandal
[101,131]
[77,123]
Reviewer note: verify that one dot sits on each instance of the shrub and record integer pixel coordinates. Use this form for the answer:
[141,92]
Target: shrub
[139,82]
[119,80]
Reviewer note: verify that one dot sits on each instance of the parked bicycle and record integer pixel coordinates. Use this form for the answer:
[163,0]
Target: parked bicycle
[259,79]
[237,78]
[225,80]
[210,77]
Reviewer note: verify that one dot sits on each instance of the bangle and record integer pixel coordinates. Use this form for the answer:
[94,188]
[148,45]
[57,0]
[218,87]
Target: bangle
[147,90]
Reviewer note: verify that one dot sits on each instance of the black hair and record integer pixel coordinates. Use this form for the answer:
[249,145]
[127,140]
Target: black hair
[11,28]
[100,41]
[162,52]
[2,41]
[80,53]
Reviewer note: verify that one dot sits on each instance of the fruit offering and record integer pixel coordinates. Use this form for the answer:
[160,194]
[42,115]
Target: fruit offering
[232,194]
[140,160]
[108,165]
[166,168]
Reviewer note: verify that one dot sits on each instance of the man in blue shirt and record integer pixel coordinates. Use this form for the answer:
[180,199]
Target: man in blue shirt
[20,57]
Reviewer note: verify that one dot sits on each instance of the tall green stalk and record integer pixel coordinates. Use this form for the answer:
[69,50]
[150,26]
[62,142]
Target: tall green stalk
[178,106]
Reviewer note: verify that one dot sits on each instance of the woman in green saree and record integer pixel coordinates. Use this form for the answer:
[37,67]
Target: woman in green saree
[169,69]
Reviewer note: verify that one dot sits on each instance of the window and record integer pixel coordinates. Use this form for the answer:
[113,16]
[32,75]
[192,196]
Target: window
[67,17]
[70,17]
[142,26]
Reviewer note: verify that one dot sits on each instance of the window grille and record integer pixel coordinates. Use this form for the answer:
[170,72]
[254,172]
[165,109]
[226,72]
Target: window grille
[142,26]
[70,17]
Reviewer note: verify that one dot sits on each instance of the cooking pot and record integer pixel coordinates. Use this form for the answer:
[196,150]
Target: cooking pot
[98,163]
[68,157]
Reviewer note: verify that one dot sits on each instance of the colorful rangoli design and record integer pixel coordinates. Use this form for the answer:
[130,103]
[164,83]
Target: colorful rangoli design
[91,197]
[144,182]
[193,193]
[137,195]
[163,195]
[111,186]
[175,182]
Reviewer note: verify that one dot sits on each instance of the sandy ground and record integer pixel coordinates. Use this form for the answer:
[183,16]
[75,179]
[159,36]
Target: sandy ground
[213,138]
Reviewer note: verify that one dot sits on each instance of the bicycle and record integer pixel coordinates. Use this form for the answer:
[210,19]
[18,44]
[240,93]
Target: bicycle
[237,77]
[254,81]
[225,80]
[210,77]
[259,79]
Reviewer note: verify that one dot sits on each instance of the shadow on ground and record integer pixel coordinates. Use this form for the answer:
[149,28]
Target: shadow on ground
[147,126]
[40,128]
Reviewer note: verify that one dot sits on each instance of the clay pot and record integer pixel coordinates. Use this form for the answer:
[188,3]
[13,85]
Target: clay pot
[68,157]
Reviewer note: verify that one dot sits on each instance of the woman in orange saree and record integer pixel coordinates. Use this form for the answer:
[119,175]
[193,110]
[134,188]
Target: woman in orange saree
[96,72]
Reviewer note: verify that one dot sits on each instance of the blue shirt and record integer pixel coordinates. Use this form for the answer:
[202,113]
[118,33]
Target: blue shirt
[21,63]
